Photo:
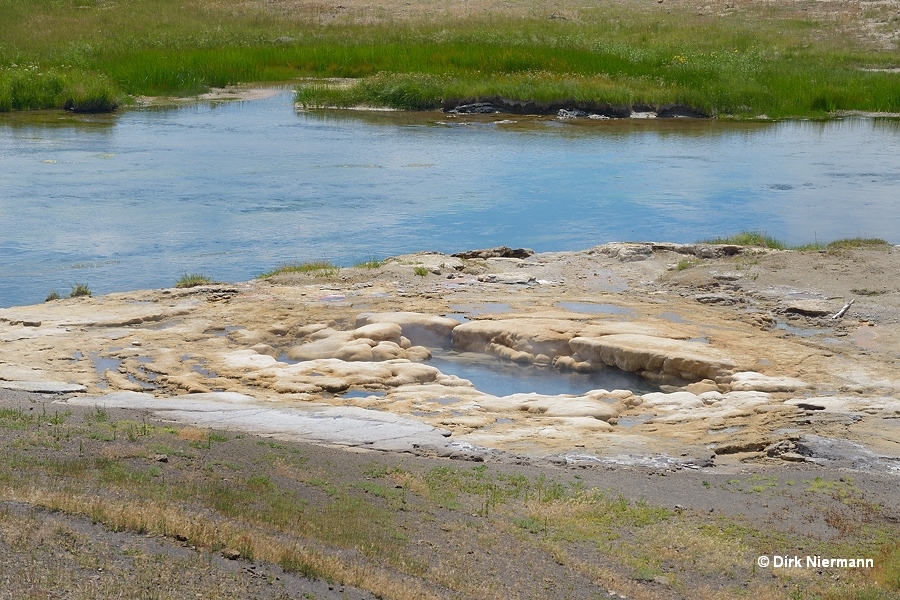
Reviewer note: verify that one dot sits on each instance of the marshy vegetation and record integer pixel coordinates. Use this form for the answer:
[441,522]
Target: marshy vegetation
[771,59]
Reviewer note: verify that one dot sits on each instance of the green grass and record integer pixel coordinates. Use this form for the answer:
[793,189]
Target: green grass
[372,263]
[685,263]
[596,81]
[756,239]
[317,268]
[79,290]
[749,238]
[189,280]
[54,295]
[850,243]
[35,86]
[420,271]
[11,418]
[87,55]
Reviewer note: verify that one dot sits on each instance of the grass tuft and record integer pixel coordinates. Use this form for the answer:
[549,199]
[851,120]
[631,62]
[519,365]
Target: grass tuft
[318,268]
[372,263]
[79,290]
[749,238]
[760,240]
[192,280]
[54,295]
[420,271]
[846,244]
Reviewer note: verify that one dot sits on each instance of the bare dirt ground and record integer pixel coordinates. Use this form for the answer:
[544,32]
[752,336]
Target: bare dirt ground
[665,533]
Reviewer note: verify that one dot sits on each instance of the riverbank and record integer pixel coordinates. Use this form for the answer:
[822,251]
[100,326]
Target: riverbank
[773,431]
[783,59]
[752,329]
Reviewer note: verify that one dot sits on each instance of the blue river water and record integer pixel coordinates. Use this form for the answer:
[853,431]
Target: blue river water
[231,189]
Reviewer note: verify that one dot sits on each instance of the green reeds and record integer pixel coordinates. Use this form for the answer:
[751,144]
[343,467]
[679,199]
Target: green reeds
[31,87]
[770,64]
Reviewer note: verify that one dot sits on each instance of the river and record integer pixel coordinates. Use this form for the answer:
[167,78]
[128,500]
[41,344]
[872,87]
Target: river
[231,189]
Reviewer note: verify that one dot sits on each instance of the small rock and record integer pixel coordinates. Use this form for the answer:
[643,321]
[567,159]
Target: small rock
[727,276]
[793,457]
[780,448]
[231,554]
[701,387]
[498,252]
[723,299]
[475,108]
[809,308]
[508,278]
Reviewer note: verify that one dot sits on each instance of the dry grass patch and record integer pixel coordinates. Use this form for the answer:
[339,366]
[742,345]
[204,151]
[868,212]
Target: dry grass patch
[253,542]
[193,434]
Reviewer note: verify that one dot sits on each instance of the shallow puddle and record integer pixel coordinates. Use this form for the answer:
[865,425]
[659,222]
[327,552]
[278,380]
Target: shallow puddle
[501,378]
[102,364]
[672,317]
[200,368]
[145,385]
[145,360]
[632,421]
[725,430]
[360,394]
[592,308]
[158,325]
[444,401]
